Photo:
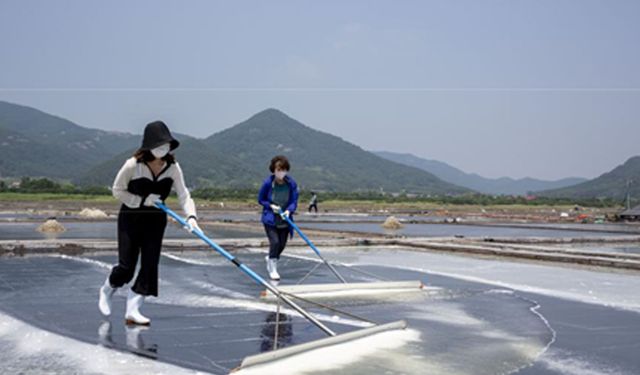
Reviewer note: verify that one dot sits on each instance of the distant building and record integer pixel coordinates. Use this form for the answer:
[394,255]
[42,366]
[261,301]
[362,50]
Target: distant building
[631,214]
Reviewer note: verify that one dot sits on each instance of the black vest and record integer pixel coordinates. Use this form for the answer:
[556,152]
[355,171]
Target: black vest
[143,186]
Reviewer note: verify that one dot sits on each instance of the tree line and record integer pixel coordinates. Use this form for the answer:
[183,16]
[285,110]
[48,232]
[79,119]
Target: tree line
[45,185]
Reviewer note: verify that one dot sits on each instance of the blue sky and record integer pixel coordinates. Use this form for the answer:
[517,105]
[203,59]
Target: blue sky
[547,89]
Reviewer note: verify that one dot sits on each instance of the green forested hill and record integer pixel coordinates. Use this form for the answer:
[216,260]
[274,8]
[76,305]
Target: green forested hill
[319,160]
[202,166]
[609,185]
[36,144]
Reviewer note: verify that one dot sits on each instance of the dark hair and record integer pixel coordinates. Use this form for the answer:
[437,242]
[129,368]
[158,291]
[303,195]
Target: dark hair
[147,156]
[279,161]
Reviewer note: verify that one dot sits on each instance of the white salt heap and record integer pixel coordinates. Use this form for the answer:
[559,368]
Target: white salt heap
[92,213]
[392,223]
[51,226]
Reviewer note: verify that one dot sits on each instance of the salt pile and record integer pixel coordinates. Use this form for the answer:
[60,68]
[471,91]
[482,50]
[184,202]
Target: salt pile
[392,223]
[51,226]
[91,213]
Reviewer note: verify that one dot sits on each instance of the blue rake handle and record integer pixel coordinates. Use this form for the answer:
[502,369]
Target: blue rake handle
[257,278]
[315,249]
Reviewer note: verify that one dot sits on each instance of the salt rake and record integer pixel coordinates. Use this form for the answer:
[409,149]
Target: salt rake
[345,289]
[333,338]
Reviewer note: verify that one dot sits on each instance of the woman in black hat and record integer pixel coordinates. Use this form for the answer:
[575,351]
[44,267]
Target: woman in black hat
[145,178]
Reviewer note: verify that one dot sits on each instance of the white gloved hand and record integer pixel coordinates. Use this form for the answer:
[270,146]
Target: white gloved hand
[151,199]
[192,224]
[286,213]
[275,208]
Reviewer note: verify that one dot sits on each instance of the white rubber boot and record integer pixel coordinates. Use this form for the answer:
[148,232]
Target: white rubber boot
[104,334]
[273,274]
[134,340]
[104,301]
[133,337]
[268,261]
[133,315]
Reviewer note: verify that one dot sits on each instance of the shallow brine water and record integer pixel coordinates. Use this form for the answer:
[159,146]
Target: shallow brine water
[208,318]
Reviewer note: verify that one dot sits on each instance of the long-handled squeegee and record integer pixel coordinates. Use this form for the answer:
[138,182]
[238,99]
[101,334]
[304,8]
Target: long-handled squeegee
[333,338]
[345,289]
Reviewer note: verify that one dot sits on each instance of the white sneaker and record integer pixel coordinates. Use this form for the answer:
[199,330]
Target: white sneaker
[104,301]
[273,273]
[133,315]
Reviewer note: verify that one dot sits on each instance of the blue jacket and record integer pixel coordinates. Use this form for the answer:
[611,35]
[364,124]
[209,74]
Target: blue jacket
[265,196]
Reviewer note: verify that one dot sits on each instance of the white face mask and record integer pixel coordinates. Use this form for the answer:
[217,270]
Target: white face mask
[280,174]
[161,151]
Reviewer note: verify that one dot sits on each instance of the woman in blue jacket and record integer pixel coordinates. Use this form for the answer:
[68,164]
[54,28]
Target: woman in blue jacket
[278,191]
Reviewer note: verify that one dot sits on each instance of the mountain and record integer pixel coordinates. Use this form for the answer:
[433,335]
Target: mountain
[319,161]
[37,144]
[612,184]
[503,185]
[202,167]
[34,143]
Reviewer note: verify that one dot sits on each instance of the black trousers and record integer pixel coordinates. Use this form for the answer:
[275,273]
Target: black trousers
[140,233]
[277,240]
[314,206]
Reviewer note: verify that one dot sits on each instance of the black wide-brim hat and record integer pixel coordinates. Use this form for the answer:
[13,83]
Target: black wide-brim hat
[156,134]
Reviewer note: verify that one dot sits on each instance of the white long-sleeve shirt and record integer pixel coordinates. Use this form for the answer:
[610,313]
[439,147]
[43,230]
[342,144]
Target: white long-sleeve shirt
[135,181]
